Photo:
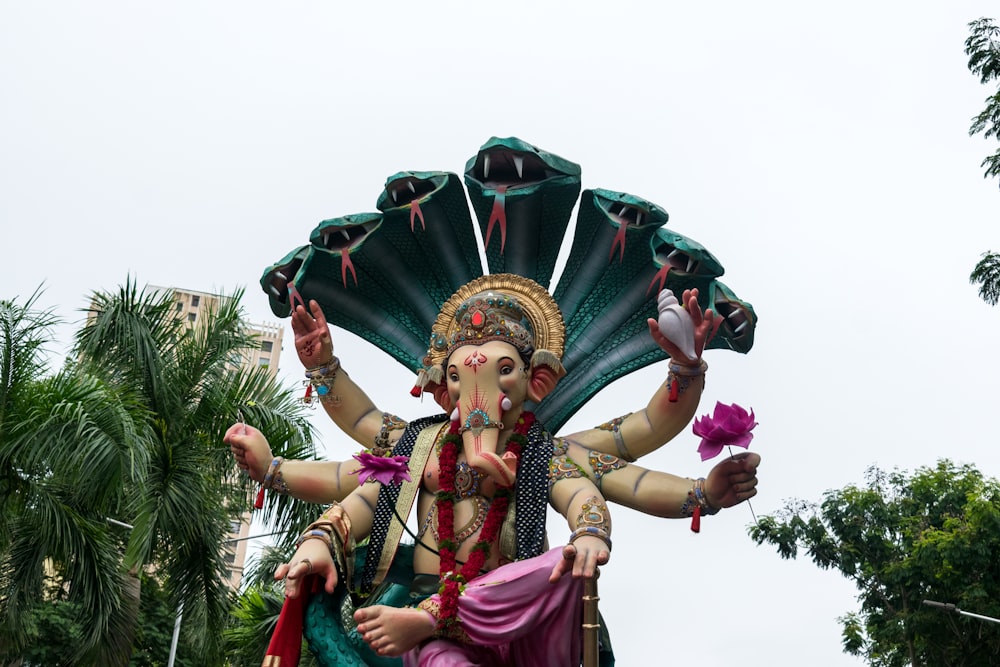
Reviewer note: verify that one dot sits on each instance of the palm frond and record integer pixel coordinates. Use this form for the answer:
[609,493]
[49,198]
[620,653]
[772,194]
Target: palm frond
[253,621]
[84,430]
[259,569]
[196,574]
[54,531]
[24,333]
[129,335]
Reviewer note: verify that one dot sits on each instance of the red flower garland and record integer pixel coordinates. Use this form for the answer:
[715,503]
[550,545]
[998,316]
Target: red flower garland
[452,582]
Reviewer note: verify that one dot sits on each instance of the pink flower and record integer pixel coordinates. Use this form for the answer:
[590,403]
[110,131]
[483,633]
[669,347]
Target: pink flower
[382,469]
[730,425]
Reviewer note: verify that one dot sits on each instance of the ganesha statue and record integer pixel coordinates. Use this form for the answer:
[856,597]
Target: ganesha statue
[508,363]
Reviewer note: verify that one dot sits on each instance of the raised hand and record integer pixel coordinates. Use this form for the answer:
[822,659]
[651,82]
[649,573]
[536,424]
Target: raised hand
[250,449]
[705,326]
[733,480]
[312,557]
[312,335]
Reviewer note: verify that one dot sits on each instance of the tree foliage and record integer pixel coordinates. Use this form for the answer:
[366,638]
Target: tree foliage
[983,48]
[55,632]
[987,276]
[903,539]
[130,429]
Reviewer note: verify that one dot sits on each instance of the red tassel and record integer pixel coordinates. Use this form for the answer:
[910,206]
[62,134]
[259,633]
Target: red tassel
[259,503]
[416,391]
[675,391]
[696,519]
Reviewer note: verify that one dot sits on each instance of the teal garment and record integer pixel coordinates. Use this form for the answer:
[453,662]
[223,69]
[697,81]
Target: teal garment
[334,646]
[328,624]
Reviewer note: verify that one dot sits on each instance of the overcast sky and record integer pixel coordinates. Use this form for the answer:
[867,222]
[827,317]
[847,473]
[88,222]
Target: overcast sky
[819,151]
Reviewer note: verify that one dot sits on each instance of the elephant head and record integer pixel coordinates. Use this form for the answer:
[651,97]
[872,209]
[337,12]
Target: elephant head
[492,350]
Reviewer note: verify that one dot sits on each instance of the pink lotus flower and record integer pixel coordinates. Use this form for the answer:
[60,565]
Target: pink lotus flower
[730,425]
[382,469]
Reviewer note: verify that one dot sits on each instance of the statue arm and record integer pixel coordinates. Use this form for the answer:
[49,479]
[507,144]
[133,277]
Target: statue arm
[312,481]
[327,545]
[636,434]
[675,401]
[346,404]
[662,494]
[589,545]
[344,401]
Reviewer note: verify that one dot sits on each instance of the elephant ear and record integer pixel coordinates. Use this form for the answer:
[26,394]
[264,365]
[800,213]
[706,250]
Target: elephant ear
[443,398]
[546,371]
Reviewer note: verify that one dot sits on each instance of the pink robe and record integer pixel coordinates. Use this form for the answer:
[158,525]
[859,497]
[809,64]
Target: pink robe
[513,616]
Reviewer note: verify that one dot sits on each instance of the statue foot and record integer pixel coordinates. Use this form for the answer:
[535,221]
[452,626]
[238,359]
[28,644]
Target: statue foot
[391,631]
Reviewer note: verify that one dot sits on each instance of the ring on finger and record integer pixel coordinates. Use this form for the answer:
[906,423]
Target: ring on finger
[308,564]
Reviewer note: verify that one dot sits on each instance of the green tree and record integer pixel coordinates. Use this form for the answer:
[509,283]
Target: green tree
[987,276]
[903,539]
[132,430]
[983,48]
[157,617]
[65,440]
[55,632]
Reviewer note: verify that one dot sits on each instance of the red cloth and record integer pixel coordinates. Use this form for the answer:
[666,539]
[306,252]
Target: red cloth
[286,642]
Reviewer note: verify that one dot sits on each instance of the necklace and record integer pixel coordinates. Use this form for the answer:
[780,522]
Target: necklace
[452,581]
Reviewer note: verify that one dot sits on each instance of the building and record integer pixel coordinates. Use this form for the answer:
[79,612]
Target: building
[189,306]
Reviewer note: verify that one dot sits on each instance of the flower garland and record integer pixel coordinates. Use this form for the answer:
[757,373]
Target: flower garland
[452,581]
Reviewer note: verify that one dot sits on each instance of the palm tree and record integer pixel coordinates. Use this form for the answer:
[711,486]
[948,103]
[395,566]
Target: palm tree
[189,493]
[132,430]
[68,443]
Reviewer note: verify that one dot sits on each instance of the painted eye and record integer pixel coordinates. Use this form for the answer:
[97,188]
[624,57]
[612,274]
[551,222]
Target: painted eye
[506,369]
[453,377]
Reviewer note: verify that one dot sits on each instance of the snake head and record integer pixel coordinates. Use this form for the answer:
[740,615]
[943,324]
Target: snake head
[738,319]
[346,233]
[511,163]
[406,187]
[684,256]
[277,277]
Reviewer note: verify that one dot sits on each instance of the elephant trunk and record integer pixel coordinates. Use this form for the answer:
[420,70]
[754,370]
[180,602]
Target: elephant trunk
[481,438]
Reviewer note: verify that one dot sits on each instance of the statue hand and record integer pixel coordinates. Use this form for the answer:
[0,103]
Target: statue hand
[733,480]
[250,449]
[581,558]
[312,335]
[705,325]
[312,557]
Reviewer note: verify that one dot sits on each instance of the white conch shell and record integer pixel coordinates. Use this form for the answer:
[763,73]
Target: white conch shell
[676,324]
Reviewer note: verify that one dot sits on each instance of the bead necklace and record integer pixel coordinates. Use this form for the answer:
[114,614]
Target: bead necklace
[452,581]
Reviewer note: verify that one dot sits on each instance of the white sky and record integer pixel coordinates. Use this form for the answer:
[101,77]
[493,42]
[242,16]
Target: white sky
[820,153]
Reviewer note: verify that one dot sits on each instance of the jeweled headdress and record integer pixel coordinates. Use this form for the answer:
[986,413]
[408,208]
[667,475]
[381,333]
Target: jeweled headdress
[500,306]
